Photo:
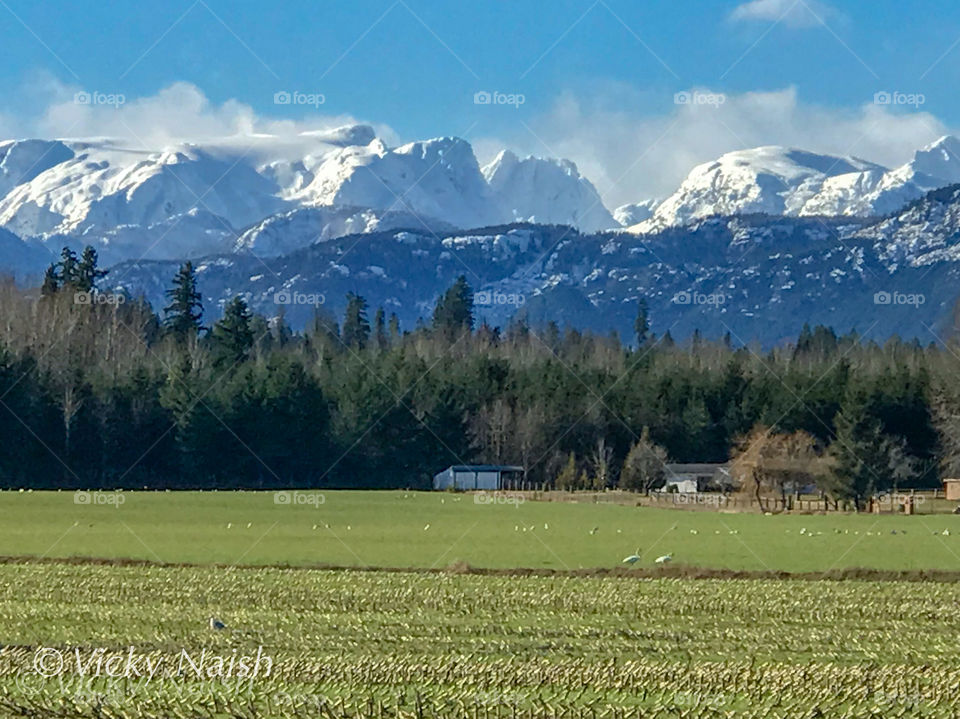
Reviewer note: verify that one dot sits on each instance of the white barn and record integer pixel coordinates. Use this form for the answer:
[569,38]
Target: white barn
[475,476]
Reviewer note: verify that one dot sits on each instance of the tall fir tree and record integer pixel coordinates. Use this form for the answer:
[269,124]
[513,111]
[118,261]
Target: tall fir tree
[51,282]
[68,268]
[87,273]
[860,451]
[454,310]
[380,330]
[184,314]
[393,328]
[232,336]
[356,326]
[641,325]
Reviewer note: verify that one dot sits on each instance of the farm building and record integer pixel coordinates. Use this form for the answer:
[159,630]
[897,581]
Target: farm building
[951,489]
[697,477]
[476,476]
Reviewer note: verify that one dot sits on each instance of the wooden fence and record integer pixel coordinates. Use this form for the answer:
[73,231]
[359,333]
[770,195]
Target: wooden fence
[922,500]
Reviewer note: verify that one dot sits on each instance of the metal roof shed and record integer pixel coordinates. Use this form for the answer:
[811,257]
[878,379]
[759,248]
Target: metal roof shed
[474,476]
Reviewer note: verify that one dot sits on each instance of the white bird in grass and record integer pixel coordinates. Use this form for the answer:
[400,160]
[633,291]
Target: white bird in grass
[632,559]
[594,530]
[216,624]
[665,559]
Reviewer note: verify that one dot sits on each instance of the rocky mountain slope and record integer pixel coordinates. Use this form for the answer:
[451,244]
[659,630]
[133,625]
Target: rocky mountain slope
[755,276]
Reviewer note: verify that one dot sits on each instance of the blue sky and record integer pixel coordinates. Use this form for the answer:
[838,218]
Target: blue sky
[590,72]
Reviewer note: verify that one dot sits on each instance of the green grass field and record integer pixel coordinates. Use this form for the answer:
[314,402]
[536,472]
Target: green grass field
[424,530]
[446,645]
[375,644]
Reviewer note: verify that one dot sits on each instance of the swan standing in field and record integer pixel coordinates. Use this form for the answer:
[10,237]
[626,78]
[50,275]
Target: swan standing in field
[632,559]
[665,559]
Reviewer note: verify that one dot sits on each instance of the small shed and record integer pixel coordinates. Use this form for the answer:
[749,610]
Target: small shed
[951,489]
[476,476]
[697,477]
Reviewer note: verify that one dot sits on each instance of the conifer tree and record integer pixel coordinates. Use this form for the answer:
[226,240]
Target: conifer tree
[356,326]
[394,328]
[87,273]
[861,453]
[232,336]
[380,330]
[185,311]
[68,268]
[641,325]
[51,282]
[454,310]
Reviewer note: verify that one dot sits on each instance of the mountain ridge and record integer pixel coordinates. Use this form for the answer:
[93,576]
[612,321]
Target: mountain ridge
[129,201]
[794,182]
[739,274]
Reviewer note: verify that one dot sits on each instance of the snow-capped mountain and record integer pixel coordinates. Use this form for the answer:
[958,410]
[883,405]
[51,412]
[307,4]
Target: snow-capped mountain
[521,186]
[635,212]
[189,200]
[288,231]
[755,276]
[784,181]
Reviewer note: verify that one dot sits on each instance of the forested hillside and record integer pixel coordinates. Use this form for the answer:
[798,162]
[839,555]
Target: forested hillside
[99,390]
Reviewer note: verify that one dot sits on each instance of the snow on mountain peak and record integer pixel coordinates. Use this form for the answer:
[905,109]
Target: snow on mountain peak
[940,159]
[23,160]
[61,189]
[785,181]
[635,212]
[547,191]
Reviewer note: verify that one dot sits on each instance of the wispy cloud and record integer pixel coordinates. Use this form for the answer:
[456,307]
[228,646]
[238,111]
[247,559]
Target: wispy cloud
[632,153]
[180,112]
[792,13]
[628,150]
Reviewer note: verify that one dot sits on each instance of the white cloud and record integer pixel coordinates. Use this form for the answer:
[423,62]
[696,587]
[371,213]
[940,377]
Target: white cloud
[180,112]
[793,13]
[631,155]
[629,152]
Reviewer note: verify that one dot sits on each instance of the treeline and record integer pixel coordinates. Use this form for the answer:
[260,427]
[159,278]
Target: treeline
[99,390]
